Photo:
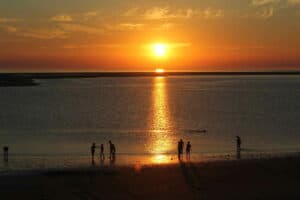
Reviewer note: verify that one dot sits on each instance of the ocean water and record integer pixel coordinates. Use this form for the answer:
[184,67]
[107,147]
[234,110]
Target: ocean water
[54,124]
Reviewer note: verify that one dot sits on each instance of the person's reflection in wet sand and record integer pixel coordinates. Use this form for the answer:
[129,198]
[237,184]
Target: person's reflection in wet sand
[112,160]
[102,157]
[238,154]
[101,162]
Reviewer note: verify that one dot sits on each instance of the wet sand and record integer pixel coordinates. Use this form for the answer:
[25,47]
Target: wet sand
[276,178]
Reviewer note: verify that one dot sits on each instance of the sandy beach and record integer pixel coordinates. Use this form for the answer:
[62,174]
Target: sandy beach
[276,178]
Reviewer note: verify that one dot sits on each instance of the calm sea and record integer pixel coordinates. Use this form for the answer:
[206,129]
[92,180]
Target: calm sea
[54,124]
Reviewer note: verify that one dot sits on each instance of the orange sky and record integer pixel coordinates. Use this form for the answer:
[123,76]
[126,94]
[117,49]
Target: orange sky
[98,35]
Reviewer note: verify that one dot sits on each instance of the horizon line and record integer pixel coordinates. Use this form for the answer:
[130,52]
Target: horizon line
[55,75]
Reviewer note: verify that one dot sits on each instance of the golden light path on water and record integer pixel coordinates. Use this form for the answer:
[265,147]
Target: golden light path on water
[161,138]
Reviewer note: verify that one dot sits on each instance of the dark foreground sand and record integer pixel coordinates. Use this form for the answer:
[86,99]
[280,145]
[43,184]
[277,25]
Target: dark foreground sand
[249,179]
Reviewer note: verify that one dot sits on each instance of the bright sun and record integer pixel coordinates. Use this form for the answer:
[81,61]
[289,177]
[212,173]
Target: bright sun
[159,49]
[159,70]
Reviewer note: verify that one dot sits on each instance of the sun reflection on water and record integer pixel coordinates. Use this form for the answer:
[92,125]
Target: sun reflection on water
[160,159]
[160,137]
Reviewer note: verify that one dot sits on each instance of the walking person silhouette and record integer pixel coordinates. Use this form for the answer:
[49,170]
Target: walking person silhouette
[5,153]
[112,150]
[102,157]
[188,150]
[93,148]
[180,148]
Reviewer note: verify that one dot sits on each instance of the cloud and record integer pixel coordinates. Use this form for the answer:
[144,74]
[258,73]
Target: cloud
[75,28]
[207,13]
[82,16]
[43,33]
[268,8]
[275,2]
[263,13]
[5,20]
[210,13]
[157,13]
[62,18]
[88,46]
[131,12]
[131,26]
[294,1]
[61,32]
[264,2]
[90,14]
[10,29]
[128,26]
[266,13]
[161,13]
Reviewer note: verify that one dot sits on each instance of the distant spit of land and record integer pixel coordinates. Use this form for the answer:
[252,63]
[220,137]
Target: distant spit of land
[27,79]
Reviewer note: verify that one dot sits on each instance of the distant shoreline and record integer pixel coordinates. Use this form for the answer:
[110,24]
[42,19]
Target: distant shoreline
[57,75]
[9,80]
[28,79]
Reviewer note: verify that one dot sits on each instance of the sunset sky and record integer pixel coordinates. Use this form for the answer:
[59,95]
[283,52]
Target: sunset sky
[119,35]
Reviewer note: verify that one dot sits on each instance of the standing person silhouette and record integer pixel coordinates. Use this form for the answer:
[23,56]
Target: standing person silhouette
[111,147]
[238,147]
[93,148]
[102,157]
[5,153]
[238,143]
[178,149]
[181,147]
[188,150]
[113,151]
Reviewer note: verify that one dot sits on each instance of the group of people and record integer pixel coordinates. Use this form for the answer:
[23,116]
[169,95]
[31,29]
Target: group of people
[180,148]
[112,151]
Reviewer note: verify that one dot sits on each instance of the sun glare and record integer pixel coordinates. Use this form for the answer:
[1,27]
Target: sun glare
[159,49]
[159,70]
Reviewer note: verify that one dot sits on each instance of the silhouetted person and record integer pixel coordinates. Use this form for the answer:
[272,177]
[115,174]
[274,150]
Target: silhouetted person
[238,143]
[181,146]
[112,150]
[238,147]
[93,148]
[5,153]
[102,157]
[178,149]
[188,150]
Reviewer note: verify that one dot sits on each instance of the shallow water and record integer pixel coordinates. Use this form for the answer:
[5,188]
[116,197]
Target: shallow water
[57,121]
